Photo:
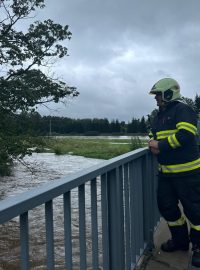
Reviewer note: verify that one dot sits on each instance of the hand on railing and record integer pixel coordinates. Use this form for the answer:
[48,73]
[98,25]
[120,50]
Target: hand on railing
[153,146]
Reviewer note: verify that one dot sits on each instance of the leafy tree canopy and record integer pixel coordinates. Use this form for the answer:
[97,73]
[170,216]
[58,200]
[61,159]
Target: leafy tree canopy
[24,54]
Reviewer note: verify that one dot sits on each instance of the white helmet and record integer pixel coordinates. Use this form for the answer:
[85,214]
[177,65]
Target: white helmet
[169,88]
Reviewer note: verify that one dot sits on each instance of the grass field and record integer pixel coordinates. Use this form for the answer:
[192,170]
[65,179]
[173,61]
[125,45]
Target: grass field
[92,148]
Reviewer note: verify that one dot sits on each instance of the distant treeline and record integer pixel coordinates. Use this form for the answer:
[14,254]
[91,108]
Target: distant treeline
[35,124]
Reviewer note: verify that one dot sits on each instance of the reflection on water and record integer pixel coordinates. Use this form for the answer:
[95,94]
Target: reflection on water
[44,167]
[122,137]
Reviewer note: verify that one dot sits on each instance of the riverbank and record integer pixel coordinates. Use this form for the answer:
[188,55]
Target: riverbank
[101,148]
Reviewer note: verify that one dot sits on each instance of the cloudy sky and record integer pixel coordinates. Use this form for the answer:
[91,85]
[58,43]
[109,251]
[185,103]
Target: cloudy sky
[120,48]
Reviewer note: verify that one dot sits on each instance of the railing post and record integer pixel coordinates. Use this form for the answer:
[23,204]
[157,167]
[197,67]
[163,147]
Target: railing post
[127,216]
[116,219]
[82,227]
[148,198]
[24,239]
[155,182]
[105,232]
[49,235]
[67,230]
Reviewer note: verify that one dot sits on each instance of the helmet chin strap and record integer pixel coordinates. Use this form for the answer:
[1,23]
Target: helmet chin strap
[163,105]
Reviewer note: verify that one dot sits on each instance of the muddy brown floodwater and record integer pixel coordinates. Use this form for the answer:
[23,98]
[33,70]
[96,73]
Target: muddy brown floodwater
[45,167]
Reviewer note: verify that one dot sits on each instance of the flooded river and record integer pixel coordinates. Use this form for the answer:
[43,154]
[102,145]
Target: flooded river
[41,168]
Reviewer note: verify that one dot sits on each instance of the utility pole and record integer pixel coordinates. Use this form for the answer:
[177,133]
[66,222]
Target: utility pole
[50,127]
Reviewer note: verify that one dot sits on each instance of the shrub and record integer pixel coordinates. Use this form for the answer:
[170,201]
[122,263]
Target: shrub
[5,164]
[135,143]
[58,150]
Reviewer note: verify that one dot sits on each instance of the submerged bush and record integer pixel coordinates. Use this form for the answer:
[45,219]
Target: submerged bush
[5,164]
[58,150]
[135,143]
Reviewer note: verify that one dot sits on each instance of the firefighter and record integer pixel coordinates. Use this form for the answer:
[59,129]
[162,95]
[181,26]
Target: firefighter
[198,130]
[174,133]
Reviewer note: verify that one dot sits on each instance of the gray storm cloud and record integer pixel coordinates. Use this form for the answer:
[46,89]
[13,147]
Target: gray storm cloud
[119,49]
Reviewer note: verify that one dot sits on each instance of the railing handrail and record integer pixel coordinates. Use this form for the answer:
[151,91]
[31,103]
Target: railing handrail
[20,203]
[126,183]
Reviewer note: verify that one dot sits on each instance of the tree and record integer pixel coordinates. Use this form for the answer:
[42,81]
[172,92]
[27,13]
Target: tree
[190,102]
[134,126]
[143,126]
[23,82]
[197,103]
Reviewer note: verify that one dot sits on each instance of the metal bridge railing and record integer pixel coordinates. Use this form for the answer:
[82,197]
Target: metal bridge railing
[122,213]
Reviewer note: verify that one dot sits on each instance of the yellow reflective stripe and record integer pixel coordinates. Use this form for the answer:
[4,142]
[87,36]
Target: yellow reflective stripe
[176,141]
[162,137]
[187,126]
[165,133]
[178,222]
[173,141]
[150,134]
[195,227]
[188,166]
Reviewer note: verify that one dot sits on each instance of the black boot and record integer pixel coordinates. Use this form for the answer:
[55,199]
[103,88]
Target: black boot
[196,256]
[179,241]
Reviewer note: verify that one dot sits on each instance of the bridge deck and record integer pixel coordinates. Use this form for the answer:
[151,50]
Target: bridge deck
[159,260]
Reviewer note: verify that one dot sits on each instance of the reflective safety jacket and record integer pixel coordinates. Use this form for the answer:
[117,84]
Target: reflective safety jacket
[175,127]
[198,131]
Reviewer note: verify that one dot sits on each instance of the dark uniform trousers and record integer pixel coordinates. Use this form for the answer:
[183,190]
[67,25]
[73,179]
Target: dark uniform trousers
[185,189]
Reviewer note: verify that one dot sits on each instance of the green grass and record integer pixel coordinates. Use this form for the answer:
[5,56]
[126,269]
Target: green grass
[92,148]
